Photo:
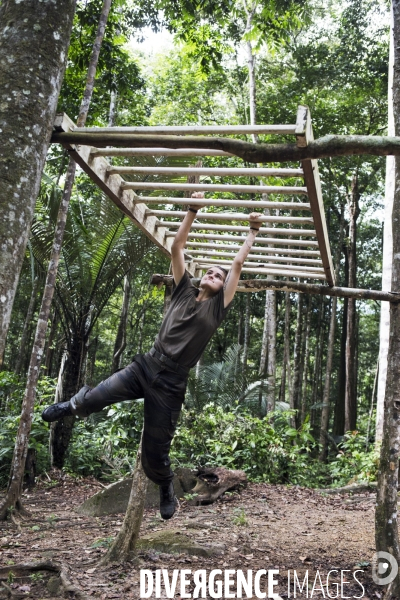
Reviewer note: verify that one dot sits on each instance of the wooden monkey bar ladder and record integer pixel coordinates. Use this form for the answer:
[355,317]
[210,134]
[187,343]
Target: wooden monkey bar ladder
[293,241]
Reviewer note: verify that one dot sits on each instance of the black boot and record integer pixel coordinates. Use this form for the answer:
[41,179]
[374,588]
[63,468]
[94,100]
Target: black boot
[56,412]
[168,501]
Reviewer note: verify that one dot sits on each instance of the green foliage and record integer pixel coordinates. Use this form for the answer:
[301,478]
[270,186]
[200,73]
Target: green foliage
[225,384]
[11,394]
[239,517]
[353,463]
[267,449]
[105,445]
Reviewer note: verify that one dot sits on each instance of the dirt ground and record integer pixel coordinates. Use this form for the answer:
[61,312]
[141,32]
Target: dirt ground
[263,527]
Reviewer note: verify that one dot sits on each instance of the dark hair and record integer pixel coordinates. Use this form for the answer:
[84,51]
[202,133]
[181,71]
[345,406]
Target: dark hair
[226,271]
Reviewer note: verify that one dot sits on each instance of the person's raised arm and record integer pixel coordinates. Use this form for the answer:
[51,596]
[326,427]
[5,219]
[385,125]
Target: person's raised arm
[179,243]
[234,274]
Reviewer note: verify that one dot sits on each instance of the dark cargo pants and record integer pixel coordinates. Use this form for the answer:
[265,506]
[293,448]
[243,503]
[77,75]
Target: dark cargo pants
[163,391]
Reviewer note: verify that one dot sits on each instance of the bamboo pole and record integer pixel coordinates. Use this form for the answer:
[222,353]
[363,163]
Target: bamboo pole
[231,216]
[260,257]
[238,238]
[217,187]
[193,130]
[225,202]
[255,285]
[206,171]
[269,250]
[266,230]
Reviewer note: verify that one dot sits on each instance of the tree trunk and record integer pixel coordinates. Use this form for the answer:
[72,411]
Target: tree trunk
[294,396]
[351,337]
[286,352]
[91,360]
[268,348]
[338,423]
[304,360]
[270,309]
[319,338]
[141,327]
[71,377]
[386,257]
[329,355]
[246,339]
[33,39]
[13,495]
[49,350]
[120,340]
[25,330]
[124,544]
[386,521]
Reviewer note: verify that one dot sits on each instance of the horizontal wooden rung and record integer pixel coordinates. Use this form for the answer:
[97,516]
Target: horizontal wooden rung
[230,216]
[278,272]
[195,129]
[157,152]
[241,228]
[258,204]
[261,257]
[238,238]
[212,187]
[210,261]
[206,171]
[234,247]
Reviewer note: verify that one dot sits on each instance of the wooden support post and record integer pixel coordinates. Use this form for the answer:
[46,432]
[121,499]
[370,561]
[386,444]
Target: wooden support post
[304,135]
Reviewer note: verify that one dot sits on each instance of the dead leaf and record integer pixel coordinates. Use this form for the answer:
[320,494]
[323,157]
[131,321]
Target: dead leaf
[91,570]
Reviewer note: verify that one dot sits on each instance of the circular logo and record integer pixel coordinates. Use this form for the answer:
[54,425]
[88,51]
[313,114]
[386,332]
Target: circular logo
[381,563]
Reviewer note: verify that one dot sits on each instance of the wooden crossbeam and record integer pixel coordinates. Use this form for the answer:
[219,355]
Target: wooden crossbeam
[279,272]
[265,230]
[269,250]
[206,171]
[195,130]
[228,263]
[257,204]
[283,259]
[232,217]
[238,238]
[215,187]
[157,152]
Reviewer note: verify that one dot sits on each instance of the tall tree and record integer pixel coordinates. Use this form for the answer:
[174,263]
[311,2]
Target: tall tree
[33,45]
[12,499]
[387,255]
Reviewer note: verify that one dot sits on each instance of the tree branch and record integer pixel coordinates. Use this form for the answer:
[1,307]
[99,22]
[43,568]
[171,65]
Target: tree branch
[256,285]
[329,145]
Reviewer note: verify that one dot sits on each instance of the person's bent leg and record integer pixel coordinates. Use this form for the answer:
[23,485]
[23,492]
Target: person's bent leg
[125,384]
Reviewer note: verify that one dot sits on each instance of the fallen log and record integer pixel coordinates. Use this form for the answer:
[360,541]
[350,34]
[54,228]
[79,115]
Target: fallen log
[212,483]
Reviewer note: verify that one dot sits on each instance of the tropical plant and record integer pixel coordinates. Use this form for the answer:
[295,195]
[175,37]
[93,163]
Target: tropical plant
[95,259]
[226,384]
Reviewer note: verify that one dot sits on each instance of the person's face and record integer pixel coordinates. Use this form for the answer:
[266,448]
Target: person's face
[213,279]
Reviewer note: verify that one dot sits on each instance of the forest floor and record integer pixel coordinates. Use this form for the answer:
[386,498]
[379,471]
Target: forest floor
[263,527]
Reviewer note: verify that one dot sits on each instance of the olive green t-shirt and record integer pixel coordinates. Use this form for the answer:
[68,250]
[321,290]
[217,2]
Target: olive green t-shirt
[188,324]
